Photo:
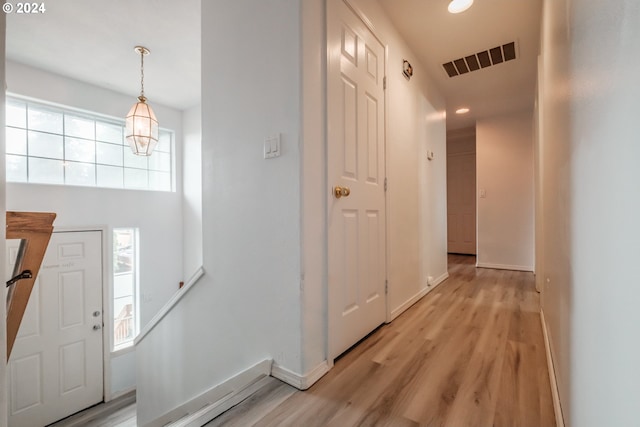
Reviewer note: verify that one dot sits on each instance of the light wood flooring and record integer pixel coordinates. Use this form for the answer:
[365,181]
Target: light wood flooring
[117,413]
[470,353]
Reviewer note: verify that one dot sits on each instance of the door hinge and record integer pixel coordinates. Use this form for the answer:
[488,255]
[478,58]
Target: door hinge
[386,287]
[385,184]
[384,83]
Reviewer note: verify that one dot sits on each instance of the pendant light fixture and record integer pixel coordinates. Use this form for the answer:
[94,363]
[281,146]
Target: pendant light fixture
[141,122]
[457,6]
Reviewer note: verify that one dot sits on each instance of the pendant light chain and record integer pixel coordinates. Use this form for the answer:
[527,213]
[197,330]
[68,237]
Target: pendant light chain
[142,74]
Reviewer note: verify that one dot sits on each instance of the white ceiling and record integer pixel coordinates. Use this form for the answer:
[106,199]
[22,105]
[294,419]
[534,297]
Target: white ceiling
[437,37]
[93,41]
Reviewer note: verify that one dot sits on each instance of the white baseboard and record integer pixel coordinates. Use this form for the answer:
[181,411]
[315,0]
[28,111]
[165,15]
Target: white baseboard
[504,266]
[213,402]
[414,299]
[301,382]
[557,408]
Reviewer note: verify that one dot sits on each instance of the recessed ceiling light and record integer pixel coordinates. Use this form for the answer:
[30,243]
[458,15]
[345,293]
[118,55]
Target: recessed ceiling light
[457,6]
[462,111]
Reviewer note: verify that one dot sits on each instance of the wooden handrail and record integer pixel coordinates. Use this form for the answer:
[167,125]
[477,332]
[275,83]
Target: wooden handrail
[35,229]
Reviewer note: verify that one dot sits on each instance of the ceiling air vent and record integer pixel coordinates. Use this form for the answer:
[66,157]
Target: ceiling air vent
[484,59]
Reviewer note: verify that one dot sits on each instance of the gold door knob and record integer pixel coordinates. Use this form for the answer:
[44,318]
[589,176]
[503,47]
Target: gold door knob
[341,192]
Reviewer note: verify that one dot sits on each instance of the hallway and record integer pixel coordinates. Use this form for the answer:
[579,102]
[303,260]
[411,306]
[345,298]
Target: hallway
[470,353]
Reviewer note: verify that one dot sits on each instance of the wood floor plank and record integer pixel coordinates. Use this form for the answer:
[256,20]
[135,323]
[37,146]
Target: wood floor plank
[252,409]
[436,387]
[379,405]
[476,400]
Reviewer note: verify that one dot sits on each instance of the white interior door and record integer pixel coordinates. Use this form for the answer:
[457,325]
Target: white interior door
[55,368]
[356,160]
[461,198]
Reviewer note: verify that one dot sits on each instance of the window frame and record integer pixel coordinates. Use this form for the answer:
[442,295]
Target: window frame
[127,345]
[129,164]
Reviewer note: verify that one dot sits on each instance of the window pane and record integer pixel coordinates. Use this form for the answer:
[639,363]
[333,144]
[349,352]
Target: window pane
[16,168]
[159,181]
[80,150]
[124,245]
[125,265]
[110,176]
[16,114]
[46,171]
[79,126]
[160,161]
[16,141]
[109,154]
[45,145]
[135,178]
[123,321]
[123,275]
[80,174]
[108,132]
[164,142]
[133,161]
[44,119]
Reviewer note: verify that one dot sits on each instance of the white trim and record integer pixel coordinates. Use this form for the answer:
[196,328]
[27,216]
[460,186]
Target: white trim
[122,351]
[169,305]
[557,407]
[504,266]
[301,382]
[213,402]
[414,299]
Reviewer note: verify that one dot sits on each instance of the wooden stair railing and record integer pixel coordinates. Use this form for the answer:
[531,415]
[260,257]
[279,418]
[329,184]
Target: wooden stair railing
[34,229]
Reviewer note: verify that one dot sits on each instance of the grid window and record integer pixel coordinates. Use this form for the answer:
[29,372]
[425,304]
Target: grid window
[52,145]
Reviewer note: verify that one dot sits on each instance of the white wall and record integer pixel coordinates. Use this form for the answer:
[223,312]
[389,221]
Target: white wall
[192,191]
[158,215]
[591,205]
[504,170]
[247,306]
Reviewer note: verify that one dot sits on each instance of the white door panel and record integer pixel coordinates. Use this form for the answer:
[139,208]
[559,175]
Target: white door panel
[55,368]
[355,148]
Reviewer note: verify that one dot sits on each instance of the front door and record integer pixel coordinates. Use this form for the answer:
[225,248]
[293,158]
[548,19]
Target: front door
[55,368]
[356,169]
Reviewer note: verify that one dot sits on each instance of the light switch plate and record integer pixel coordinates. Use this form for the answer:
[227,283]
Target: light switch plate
[272,147]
